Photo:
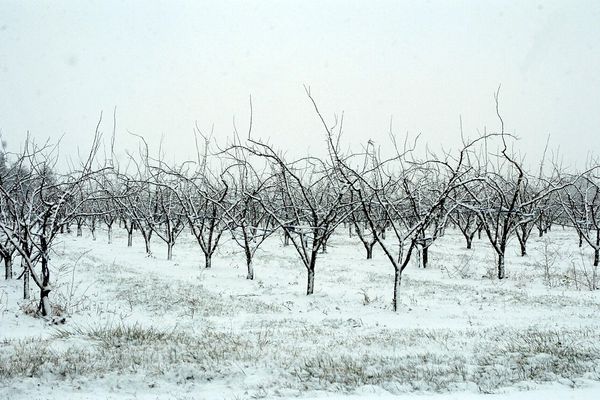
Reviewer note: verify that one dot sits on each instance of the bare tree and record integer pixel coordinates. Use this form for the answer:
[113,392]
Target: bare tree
[581,204]
[37,203]
[308,206]
[467,222]
[251,224]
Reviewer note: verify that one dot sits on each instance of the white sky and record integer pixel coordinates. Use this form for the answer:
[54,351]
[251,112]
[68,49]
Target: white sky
[165,65]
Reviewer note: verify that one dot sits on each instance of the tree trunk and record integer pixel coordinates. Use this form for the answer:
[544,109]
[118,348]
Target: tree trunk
[310,287]
[26,293]
[147,238]
[250,274]
[523,244]
[417,258]
[501,271]
[596,253]
[425,258]
[79,231]
[129,238]
[369,248]
[8,267]
[469,241]
[44,306]
[286,238]
[169,251]
[207,260]
[109,234]
[397,282]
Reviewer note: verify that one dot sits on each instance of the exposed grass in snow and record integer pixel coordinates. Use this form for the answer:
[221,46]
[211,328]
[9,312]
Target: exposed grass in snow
[190,299]
[416,360]
[129,349]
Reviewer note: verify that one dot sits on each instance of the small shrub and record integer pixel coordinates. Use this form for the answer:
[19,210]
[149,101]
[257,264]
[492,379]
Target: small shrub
[582,275]
[547,264]
[462,269]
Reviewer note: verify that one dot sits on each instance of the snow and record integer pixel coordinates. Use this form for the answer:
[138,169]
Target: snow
[144,327]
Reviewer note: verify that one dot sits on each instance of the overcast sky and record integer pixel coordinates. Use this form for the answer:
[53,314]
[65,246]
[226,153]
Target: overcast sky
[165,65]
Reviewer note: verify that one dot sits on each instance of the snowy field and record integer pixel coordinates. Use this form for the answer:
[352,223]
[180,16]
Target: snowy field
[146,328]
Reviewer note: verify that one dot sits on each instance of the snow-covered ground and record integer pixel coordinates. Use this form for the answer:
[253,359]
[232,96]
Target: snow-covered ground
[146,328]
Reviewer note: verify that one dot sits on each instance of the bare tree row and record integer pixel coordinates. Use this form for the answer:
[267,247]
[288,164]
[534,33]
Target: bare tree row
[399,199]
